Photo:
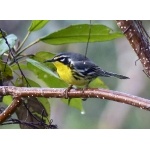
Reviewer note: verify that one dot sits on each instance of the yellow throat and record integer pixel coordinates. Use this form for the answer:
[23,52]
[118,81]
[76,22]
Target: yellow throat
[65,74]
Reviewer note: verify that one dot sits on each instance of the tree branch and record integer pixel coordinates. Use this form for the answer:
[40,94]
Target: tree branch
[19,92]
[10,109]
[138,39]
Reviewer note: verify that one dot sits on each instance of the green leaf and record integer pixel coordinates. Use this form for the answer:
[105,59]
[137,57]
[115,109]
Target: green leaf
[7,100]
[42,56]
[75,102]
[97,83]
[6,72]
[37,111]
[46,105]
[42,100]
[21,82]
[22,66]
[11,40]
[3,33]
[45,74]
[31,82]
[37,25]
[80,33]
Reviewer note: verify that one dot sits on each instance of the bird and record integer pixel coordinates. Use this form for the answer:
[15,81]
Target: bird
[77,69]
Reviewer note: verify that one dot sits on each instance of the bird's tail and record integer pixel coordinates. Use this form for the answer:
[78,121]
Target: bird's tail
[110,74]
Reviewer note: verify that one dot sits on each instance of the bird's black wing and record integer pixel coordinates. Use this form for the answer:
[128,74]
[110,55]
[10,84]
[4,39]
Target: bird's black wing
[89,69]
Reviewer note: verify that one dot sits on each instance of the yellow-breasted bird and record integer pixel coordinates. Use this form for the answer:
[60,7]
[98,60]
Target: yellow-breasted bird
[76,69]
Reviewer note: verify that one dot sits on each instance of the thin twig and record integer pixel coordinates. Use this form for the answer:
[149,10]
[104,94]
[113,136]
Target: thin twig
[14,58]
[20,46]
[21,51]
[88,39]
[33,125]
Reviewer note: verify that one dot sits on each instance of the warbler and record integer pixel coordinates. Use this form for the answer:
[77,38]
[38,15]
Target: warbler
[77,69]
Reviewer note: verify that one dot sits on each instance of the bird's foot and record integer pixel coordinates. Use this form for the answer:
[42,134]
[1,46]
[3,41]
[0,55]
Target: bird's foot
[84,99]
[66,93]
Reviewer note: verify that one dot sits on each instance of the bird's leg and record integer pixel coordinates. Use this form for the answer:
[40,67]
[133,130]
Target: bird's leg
[66,93]
[69,100]
[86,86]
[67,90]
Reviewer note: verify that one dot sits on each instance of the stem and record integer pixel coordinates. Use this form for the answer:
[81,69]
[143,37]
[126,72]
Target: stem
[20,46]
[31,44]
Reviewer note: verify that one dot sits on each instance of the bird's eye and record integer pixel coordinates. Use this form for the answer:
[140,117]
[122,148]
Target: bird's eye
[62,60]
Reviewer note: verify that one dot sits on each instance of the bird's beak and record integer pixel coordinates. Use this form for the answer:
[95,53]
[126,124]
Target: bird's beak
[49,60]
